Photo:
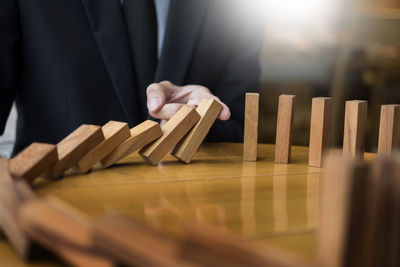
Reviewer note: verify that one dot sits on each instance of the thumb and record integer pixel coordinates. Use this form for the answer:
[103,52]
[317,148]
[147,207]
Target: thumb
[156,95]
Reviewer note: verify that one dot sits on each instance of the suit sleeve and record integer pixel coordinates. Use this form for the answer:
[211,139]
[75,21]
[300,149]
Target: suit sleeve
[9,46]
[241,74]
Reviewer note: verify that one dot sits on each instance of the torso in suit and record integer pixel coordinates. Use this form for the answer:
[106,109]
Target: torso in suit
[69,62]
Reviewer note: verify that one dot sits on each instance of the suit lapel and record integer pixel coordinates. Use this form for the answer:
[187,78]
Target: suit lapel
[106,21]
[185,19]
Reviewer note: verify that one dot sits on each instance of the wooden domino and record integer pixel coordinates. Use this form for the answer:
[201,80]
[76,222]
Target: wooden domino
[61,229]
[389,129]
[284,128]
[33,161]
[114,133]
[250,127]
[173,131]
[355,123]
[208,110]
[141,135]
[74,147]
[321,117]
[133,243]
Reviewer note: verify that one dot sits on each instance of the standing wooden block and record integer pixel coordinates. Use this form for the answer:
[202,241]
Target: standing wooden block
[33,161]
[355,123]
[321,117]
[114,133]
[61,229]
[208,110]
[283,142]
[72,148]
[173,131]
[389,129]
[251,127]
[141,135]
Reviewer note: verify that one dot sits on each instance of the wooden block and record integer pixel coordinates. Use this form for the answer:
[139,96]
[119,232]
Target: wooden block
[61,229]
[13,194]
[206,246]
[321,117]
[141,135]
[389,129]
[342,212]
[284,128]
[75,146]
[33,161]
[355,122]
[114,133]
[134,244]
[208,110]
[173,131]
[251,127]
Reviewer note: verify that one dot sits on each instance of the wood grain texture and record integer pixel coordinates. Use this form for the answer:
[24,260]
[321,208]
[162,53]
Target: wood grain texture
[33,161]
[75,146]
[134,244]
[141,135]
[284,128]
[208,110]
[389,129]
[321,118]
[355,123]
[251,127]
[61,229]
[114,134]
[173,131]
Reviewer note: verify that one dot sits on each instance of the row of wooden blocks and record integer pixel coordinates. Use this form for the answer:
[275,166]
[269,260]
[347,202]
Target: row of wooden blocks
[33,225]
[321,117]
[90,144]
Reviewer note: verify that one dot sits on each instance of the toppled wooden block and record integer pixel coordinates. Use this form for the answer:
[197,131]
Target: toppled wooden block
[173,131]
[141,135]
[389,129]
[33,161]
[208,110]
[283,144]
[12,195]
[355,123]
[63,230]
[321,117]
[208,247]
[132,243]
[75,146]
[251,127]
[114,133]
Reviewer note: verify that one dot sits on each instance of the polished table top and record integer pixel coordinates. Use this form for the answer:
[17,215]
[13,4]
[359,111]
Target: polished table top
[273,204]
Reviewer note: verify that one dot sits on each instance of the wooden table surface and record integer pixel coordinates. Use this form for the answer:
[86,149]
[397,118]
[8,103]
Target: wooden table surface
[273,204]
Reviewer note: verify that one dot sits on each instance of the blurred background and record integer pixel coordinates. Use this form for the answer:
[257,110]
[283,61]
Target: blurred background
[339,48]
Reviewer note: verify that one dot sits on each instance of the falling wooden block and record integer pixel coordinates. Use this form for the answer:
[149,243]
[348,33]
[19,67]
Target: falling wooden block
[208,110]
[74,147]
[13,194]
[133,243]
[321,117]
[114,133]
[173,131]
[342,212]
[284,128]
[389,129]
[251,127]
[33,161]
[61,229]
[206,246]
[355,123]
[141,135]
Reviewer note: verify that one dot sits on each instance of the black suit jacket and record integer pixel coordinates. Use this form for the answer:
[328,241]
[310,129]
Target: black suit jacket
[69,62]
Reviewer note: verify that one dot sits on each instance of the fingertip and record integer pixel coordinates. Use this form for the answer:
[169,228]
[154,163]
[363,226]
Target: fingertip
[154,104]
[225,114]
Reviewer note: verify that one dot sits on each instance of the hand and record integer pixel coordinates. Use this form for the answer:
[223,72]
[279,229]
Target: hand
[164,99]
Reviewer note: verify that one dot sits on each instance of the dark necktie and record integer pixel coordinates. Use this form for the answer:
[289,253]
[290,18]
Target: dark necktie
[141,22]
